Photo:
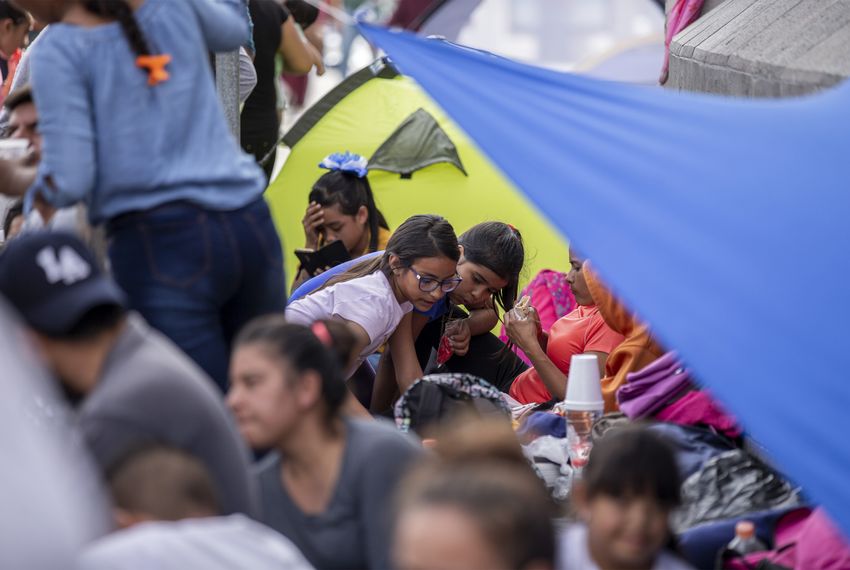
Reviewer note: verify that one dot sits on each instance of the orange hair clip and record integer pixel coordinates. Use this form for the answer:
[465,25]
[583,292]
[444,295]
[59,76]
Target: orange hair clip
[155,65]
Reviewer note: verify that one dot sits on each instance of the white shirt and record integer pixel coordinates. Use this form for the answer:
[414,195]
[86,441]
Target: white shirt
[574,553]
[211,543]
[368,301]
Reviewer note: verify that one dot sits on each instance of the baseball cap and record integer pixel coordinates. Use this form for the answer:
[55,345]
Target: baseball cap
[53,280]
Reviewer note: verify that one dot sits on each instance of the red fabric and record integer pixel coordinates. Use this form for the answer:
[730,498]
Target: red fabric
[10,76]
[407,12]
[583,330]
[699,408]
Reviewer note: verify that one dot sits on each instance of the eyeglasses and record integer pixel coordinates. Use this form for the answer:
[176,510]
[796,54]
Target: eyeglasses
[429,284]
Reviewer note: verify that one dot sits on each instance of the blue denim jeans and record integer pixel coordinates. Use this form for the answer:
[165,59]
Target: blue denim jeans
[199,275]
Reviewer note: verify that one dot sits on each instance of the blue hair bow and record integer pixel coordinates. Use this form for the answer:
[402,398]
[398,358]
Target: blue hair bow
[346,162]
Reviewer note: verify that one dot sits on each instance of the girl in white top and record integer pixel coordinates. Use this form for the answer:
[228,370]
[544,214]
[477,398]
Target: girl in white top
[375,298]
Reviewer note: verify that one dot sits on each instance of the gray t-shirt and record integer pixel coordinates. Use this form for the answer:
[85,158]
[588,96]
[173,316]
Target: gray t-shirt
[355,531]
[148,392]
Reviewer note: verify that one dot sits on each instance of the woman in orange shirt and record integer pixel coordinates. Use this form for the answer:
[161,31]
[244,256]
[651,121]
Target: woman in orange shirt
[583,331]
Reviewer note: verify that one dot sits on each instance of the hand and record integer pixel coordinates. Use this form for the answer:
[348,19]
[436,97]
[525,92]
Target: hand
[320,65]
[313,219]
[523,332]
[459,336]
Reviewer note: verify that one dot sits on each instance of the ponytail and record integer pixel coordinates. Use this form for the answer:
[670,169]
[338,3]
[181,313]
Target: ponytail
[122,12]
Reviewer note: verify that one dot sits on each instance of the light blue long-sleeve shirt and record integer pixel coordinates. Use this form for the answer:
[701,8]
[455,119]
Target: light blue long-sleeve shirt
[120,145]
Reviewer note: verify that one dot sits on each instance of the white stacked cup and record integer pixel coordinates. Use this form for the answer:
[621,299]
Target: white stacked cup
[582,406]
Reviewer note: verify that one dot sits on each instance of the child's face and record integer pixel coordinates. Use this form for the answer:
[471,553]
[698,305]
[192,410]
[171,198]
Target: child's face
[429,269]
[626,533]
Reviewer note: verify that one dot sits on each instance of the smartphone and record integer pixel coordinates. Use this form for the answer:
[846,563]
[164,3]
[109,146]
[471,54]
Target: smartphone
[331,255]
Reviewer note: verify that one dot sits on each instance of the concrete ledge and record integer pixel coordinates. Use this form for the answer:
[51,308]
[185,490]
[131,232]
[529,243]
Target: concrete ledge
[764,48]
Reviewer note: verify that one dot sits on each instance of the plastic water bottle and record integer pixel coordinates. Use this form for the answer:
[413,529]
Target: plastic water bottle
[582,406]
[579,436]
[745,541]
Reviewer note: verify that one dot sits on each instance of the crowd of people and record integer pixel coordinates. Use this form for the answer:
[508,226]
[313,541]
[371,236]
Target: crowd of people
[240,420]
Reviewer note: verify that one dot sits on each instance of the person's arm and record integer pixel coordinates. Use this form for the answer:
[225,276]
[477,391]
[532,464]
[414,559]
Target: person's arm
[552,377]
[405,361]
[482,321]
[525,334]
[299,56]
[224,23]
[602,358]
[386,389]
[67,171]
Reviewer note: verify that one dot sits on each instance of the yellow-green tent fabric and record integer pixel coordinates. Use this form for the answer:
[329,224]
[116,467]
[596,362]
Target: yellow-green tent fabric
[359,115]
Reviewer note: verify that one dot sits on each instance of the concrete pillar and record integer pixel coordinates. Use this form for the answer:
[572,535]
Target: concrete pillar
[764,48]
[227,86]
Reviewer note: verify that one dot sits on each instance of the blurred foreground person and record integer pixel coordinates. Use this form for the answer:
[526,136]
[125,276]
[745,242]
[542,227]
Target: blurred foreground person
[131,384]
[624,499]
[52,500]
[328,484]
[476,506]
[167,504]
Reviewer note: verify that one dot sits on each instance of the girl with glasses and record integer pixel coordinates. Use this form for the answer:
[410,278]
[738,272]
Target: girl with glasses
[376,297]
[492,256]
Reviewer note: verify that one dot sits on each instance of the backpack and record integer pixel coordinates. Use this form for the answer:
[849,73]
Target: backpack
[436,397]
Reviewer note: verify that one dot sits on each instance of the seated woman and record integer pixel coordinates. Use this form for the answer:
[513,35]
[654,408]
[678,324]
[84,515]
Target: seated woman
[582,331]
[491,258]
[328,484]
[342,208]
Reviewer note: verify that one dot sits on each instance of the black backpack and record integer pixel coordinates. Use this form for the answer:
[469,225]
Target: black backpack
[436,397]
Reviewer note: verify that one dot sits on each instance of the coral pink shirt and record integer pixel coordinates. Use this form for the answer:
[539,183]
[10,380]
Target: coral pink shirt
[582,330]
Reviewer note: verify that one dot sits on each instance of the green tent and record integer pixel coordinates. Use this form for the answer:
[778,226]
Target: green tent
[426,166]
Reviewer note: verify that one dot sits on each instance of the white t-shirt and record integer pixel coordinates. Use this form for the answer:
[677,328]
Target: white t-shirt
[574,553]
[368,301]
[210,543]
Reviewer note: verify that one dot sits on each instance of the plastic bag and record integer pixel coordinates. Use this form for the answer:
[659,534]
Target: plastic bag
[548,457]
[730,485]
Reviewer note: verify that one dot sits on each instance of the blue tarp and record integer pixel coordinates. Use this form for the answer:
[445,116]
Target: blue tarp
[724,223]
